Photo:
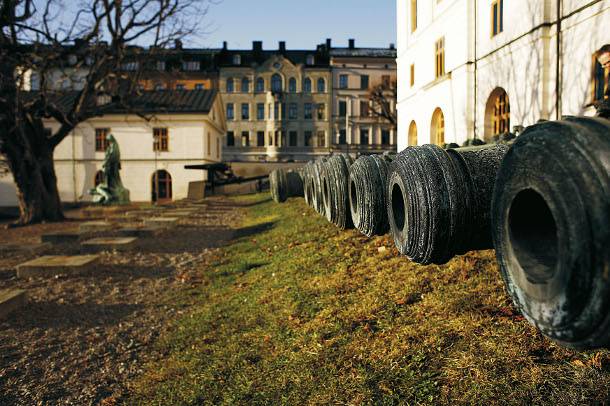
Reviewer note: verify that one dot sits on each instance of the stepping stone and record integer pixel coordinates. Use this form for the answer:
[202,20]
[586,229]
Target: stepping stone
[108,243]
[11,300]
[51,265]
[140,231]
[61,237]
[94,227]
[33,249]
[165,222]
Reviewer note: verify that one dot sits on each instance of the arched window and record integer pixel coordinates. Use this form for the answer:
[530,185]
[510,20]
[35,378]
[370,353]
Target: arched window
[497,114]
[307,85]
[292,85]
[276,83]
[321,85]
[161,186]
[245,85]
[99,178]
[412,133]
[437,127]
[230,85]
[260,85]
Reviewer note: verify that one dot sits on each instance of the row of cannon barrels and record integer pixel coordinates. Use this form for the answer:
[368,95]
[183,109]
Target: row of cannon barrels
[542,201]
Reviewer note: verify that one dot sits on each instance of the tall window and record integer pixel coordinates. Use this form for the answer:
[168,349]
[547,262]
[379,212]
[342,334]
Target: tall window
[385,81]
[342,108]
[292,85]
[245,85]
[497,17]
[230,139]
[343,81]
[385,137]
[260,111]
[307,85]
[440,57]
[321,137]
[364,136]
[308,138]
[292,138]
[412,133]
[321,85]
[260,139]
[307,111]
[160,139]
[412,76]
[100,139]
[293,111]
[321,111]
[245,138]
[276,83]
[245,111]
[364,109]
[230,111]
[599,82]
[260,85]
[437,129]
[161,186]
[501,114]
[413,15]
[364,82]
[230,85]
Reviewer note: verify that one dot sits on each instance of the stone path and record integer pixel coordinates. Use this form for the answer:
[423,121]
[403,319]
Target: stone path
[80,336]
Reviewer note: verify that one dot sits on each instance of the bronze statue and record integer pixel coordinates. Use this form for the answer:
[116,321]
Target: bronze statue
[111,190]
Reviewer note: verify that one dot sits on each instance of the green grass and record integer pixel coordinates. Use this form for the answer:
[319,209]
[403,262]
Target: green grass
[303,313]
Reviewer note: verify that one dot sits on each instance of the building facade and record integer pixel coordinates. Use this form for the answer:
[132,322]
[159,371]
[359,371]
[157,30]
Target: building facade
[355,71]
[154,152]
[277,103]
[508,64]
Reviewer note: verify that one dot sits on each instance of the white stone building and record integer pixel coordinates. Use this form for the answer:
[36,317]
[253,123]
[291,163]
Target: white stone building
[185,128]
[479,68]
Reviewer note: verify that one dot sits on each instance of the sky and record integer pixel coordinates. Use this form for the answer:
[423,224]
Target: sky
[302,24]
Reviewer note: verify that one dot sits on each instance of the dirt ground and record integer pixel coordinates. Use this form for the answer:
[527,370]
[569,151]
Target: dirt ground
[81,338]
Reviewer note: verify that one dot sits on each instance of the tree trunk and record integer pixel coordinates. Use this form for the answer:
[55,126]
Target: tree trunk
[34,175]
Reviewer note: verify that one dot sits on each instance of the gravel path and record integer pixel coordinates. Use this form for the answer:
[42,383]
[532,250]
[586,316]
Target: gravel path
[81,338]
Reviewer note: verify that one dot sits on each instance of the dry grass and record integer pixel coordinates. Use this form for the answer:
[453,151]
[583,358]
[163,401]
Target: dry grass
[303,313]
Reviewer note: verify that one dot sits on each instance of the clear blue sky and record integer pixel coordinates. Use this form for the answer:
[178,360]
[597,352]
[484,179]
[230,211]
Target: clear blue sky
[301,23]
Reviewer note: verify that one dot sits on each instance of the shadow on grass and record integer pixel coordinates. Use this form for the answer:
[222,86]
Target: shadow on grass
[252,230]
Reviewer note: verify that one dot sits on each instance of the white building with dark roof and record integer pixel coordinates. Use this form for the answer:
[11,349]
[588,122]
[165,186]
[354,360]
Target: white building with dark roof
[172,129]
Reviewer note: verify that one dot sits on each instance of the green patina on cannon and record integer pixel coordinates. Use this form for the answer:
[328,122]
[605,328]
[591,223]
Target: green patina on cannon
[111,190]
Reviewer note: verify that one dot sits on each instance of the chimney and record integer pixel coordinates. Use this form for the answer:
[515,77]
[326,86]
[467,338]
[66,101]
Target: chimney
[328,43]
[392,46]
[282,46]
[352,43]
[177,44]
[257,46]
[224,45]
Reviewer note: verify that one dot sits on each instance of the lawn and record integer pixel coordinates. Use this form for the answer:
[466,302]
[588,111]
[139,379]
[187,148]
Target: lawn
[298,312]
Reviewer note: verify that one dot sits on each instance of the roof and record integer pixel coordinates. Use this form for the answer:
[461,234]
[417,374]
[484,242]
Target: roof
[364,52]
[147,102]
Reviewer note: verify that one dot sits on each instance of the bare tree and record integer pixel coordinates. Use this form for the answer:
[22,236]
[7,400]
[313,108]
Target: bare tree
[95,46]
[383,102]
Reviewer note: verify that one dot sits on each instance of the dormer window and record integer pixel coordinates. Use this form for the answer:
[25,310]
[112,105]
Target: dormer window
[191,66]
[72,59]
[161,66]
[310,60]
[237,59]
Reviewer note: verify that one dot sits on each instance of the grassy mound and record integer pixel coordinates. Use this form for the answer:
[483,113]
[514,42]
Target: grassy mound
[298,312]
